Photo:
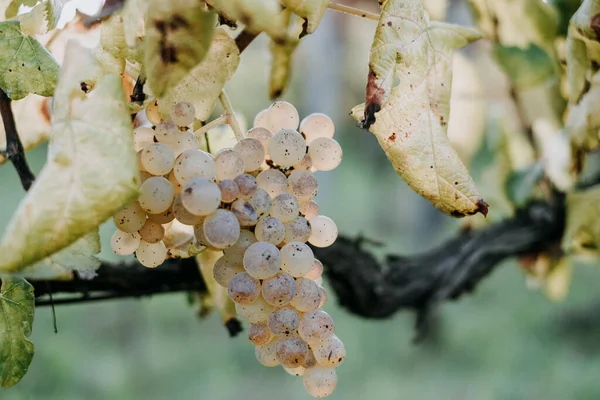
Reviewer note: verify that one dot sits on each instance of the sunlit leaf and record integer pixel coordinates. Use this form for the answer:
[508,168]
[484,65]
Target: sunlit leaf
[410,120]
[26,66]
[582,231]
[16,321]
[281,61]
[310,10]
[203,85]
[257,15]
[54,10]
[33,22]
[91,170]
[133,13]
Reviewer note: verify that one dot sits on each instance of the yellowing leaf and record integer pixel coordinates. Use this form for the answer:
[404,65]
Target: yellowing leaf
[133,13]
[583,121]
[558,280]
[220,299]
[25,66]
[91,170]
[33,22]
[257,15]
[281,62]
[178,36]
[410,120]
[310,10]
[16,321]
[203,85]
[582,232]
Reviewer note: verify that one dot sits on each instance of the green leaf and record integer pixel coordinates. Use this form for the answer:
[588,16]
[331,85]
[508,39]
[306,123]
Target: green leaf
[178,36]
[26,66]
[133,13]
[16,321]
[310,10]
[281,61]
[582,232]
[257,15]
[410,120]
[520,184]
[203,85]
[525,67]
[54,10]
[91,170]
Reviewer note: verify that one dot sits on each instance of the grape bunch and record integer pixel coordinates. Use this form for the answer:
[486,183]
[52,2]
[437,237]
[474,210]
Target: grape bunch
[254,202]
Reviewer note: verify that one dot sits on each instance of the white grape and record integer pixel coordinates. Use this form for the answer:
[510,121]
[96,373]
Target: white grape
[316,125]
[244,241]
[308,295]
[201,196]
[151,255]
[270,230]
[262,260]
[244,212]
[252,152]
[229,164]
[320,382]
[324,231]
[279,290]
[287,147]
[140,165]
[194,164]
[297,230]
[283,321]
[329,352]
[304,165]
[297,259]
[162,218]
[184,141]
[183,215]
[130,218]
[152,232]
[325,153]
[226,267]
[261,119]
[152,113]
[285,207]
[261,134]
[166,132]
[124,243]
[266,354]
[310,360]
[221,229]
[282,115]
[319,281]
[247,185]
[142,137]
[156,195]
[177,187]
[297,371]
[229,190]
[303,185]
[309,209]
[259,334]
[272,181]
[157,159]
[291,351]
[315,326]
[243,288]
[183,113]
[255,312]
[316,271]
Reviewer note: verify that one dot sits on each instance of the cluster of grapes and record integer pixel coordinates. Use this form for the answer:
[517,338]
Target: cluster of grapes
[254,202]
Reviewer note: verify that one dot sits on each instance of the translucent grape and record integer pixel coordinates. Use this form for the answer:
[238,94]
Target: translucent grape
[151,255]
[226,267]
[247,185]
[162,218]
[320,382]
[152,113]
[315,326]
[201,196]
[282,115]
[130,218]
[229,191]
[124,243]
[166,132]
[316,125]
[297,230]
[139,161]
[183,113]
[199,235]
[324,231]
[157,159]
[283,321]
[319,281]
[266,355]
[272,181]
[221,229]
[329,352]
[177,187]
[243,288]
[310,360]
[152,232]
[183,215]
[308,295]
[261,119]
[244,241]
[316,271]
[252,152]
[297,259]
[261,201]
[229,164]
[142,137]
[285,207]
[287,147]
[255,312]
[194,164]
[262,260]
[156,195]
[291,351]
[279,290]
[309,209]
[297,371]
[303,185]
[325,153]
[259,334]
[184,141]
[261,134]
[304,165]
[270,230]
[244,212]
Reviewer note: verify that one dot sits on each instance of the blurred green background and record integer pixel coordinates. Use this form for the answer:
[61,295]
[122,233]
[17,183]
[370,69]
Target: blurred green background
[503,342]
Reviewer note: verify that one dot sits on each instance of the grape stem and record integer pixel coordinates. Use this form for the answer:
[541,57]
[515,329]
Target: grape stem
[353,11]
[222,120]
[231,118]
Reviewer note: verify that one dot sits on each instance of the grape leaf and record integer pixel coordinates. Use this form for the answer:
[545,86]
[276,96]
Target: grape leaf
[281,62]
[257,15]
[220,299]
[178,36]
[91,170]
[525,67]
[311,11]
[26,66]
[583,121]
[33,22]
[582,232]
[410,120]
[53,12]
[133,13]
[16,350]
[203,85]
[520,183]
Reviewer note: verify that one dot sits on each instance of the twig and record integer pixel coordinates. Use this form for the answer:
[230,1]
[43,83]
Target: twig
[222,120]
[232,119]
[14,148]
[244,39]
[353,11]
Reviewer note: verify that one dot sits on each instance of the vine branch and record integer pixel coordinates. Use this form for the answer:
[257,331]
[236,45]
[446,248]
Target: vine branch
[353,11]
[222,120]
[231,118]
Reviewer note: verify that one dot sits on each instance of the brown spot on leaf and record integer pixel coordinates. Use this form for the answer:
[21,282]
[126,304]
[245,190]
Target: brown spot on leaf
[389,23]
[482,207]
[374,99]
[392,137]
